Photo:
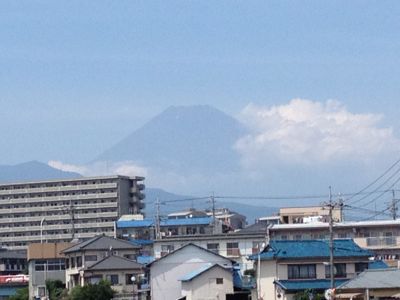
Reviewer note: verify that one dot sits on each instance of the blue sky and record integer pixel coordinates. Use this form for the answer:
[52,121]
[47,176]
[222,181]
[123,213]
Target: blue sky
[77,76]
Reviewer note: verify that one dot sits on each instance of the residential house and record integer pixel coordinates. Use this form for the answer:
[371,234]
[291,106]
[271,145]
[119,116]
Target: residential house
[187,214]
[89,260]
[236,246]
[230,219]
[183,273]
[45,261]
[125,275]
[288,267]
[212,281]
[295,215]
[376,284]
[380,236]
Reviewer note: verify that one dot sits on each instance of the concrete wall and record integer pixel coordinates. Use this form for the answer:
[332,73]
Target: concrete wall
[204,287]
[165,274]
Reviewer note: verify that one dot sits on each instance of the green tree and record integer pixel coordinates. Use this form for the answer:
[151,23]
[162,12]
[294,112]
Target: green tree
[100,291]
[55,289]
[22,294]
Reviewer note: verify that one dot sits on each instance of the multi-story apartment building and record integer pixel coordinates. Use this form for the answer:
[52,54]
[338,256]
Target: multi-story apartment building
[64,210]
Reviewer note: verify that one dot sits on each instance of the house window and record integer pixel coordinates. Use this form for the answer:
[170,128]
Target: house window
[128,278]
[302,271]
[79,261]
[232,249]
[214,247]
[90,257]
[113,278]
[165,249]
[339,271]
[361,267]
[219,281]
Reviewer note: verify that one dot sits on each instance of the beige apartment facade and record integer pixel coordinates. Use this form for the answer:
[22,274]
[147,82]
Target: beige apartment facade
[65,210]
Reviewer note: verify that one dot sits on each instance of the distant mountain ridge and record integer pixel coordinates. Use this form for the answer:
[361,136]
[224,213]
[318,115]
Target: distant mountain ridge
[183,139]
[32,171]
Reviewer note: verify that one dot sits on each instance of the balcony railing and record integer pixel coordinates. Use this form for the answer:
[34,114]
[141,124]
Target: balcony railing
[378,242]
[382,241]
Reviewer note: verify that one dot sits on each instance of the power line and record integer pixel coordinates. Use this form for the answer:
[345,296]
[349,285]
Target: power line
[379,187]
[376,180]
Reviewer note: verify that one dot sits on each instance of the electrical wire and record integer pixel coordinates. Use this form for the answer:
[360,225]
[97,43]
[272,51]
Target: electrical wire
[375,181]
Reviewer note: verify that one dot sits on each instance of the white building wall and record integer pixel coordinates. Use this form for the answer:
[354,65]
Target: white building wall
[204,287]
[165,274]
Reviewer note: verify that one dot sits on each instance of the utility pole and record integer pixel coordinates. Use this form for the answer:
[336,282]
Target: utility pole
[212,199]
[331,239]
[331,205]
[158,203]
[393,207]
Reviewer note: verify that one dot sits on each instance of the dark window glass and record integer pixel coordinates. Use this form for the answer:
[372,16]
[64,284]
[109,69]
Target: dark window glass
[301,271]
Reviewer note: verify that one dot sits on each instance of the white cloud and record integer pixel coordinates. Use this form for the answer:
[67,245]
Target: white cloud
[307,132]
[127,168]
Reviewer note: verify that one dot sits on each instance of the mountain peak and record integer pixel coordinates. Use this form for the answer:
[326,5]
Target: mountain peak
[182,138]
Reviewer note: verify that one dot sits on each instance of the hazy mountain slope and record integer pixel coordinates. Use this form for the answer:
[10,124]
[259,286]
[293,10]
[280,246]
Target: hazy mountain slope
[182,139]
[32,170]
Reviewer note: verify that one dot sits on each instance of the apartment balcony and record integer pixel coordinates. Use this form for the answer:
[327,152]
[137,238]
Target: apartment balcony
[45,227]
[46,199]
[43,209]
[380,242]
[57,217]
[60,188]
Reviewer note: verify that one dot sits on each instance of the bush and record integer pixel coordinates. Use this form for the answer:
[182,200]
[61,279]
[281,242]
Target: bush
[100,291]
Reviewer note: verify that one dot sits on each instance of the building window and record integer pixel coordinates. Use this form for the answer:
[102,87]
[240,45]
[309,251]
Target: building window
[232,249]
[361,267]
[339,271]
[128,279]
[79,261]
[302,271]
[90,258]
[214,247]
[165,249]
[219,281]
[113,278]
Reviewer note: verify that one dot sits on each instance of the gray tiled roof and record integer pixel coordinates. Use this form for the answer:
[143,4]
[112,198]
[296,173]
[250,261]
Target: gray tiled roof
[374,279]
[115,263]
[101,242]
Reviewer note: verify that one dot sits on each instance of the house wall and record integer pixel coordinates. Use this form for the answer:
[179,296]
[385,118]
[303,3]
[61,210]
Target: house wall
[72,272]
[164,274]
[205,287]
[271,270]
[122,286]
[246,247]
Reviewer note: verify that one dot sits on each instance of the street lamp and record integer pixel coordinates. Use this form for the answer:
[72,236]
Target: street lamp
[41,229]
[260,246]
[133,279]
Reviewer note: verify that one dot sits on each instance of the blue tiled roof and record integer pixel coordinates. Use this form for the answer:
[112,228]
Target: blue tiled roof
[164,223]
[295,249]
[135,223]
[197,272]
[141,242]
[144,259]
[312,284]
[377,264]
